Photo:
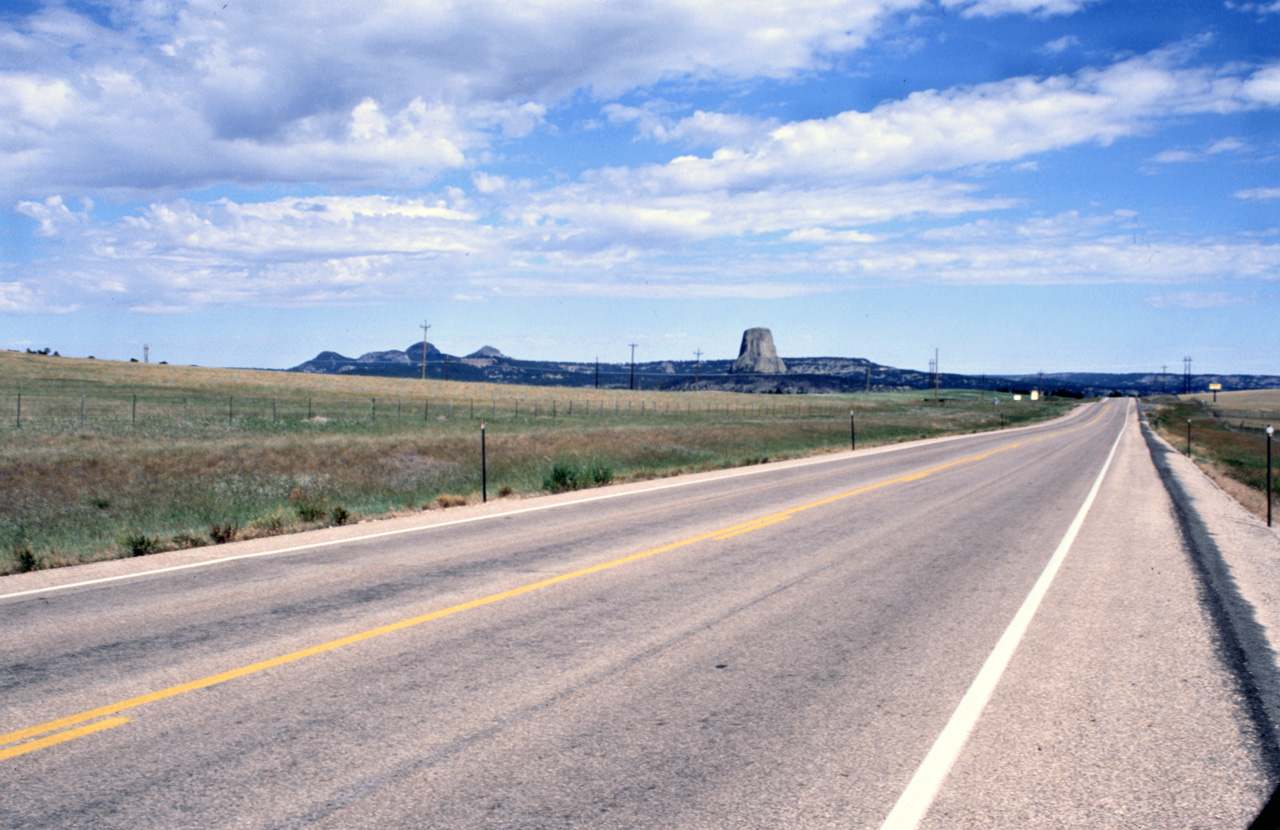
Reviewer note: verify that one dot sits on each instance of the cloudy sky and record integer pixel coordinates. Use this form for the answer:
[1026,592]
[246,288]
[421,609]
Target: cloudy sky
[1021,184]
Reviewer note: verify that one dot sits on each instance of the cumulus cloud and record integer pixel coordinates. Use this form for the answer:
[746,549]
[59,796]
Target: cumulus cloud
[942,130]
[380,93]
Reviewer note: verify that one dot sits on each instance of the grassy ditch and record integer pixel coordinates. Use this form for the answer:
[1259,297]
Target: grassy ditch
[126,481]
[1232,448]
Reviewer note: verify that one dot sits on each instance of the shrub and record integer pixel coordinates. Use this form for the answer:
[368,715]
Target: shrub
[568,475]
[277,521]
[26,558]
[221,532]
[140,544]
[564,476]
[189,540]
[449,500]
[340,515]
[504,491]
[310,508]
[599,474]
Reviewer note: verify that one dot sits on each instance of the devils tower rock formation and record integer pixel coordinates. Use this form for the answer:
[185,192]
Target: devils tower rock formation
[757,354]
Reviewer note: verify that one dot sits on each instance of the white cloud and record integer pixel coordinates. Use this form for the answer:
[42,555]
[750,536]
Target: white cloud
[383,93]
[1193,300]
[1261,9]
[1226,145]
[935,131]
[997,8]
[1258,194]
[1062,44]
[1175,157]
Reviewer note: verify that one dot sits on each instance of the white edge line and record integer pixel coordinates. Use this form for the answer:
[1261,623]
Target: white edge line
[754,470]
[923,788]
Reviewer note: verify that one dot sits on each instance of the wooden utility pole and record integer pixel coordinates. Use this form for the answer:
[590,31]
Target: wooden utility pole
[697,353]
[425,327]
[936,372]
[633,365]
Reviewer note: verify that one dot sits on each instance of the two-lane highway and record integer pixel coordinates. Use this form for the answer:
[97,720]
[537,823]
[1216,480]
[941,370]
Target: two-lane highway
[780,646]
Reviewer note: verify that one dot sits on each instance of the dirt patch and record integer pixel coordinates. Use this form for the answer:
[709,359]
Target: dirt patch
[1250,498]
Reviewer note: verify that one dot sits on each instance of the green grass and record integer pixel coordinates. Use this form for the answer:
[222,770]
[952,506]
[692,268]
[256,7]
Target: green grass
[188,466]
[1222,443]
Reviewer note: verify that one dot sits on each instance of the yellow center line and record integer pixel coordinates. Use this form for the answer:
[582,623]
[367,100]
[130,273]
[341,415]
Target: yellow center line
[253,668]
[61,737]
[750,526]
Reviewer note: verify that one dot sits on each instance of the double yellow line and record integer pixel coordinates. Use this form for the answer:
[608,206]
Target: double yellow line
[96,720]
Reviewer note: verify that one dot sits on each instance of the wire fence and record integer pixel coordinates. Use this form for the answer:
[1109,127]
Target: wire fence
[18,409]
[1240,418]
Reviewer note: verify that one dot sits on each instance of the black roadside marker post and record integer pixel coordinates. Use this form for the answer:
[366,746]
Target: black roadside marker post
[853,433]
[1188,438]
[1270,431]
[484,475]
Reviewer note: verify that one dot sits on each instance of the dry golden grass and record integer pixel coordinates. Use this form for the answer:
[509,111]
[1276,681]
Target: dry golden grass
[73,492]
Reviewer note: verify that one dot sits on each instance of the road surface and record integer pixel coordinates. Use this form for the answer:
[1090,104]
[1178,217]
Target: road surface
[995,630]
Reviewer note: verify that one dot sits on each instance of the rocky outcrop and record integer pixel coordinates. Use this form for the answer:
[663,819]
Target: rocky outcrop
[383,357]
[757,354]
[486,351]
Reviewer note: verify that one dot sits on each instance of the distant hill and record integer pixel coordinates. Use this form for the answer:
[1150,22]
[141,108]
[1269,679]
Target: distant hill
[803,374]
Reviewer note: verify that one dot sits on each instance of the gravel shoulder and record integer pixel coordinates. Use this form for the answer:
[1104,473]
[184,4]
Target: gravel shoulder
[1239,561]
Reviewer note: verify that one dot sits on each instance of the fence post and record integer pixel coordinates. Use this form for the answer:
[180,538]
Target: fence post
[133,413]
[484,474]
[231,410]
[1188,438]
[18,424]
[273,411]
[853,433]
[82,402]
[373,409]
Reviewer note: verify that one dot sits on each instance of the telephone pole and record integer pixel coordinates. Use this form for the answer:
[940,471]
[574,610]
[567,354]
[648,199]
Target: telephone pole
[1164,369]
[697,353]
[146,353]
[1186,376]
[633,365]
[425,328]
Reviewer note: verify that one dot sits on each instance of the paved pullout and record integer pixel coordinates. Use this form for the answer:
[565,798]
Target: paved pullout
[773,647]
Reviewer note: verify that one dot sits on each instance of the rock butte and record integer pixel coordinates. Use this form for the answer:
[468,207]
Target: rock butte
[757,354]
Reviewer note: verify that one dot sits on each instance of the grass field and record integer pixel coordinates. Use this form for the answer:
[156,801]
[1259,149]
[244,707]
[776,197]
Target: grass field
[1227,438]
[102,459]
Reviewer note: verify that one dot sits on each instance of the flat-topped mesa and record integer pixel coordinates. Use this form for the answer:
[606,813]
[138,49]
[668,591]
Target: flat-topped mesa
[757,354]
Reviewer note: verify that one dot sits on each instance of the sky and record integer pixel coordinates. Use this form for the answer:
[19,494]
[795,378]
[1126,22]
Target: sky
[1021,185]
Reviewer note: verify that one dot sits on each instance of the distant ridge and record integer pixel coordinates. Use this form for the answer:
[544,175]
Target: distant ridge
[803,374]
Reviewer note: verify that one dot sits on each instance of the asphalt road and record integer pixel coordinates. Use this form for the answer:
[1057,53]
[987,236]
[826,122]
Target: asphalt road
[775,647]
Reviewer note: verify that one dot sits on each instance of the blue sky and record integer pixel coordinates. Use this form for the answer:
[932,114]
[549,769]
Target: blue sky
[1024,185]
